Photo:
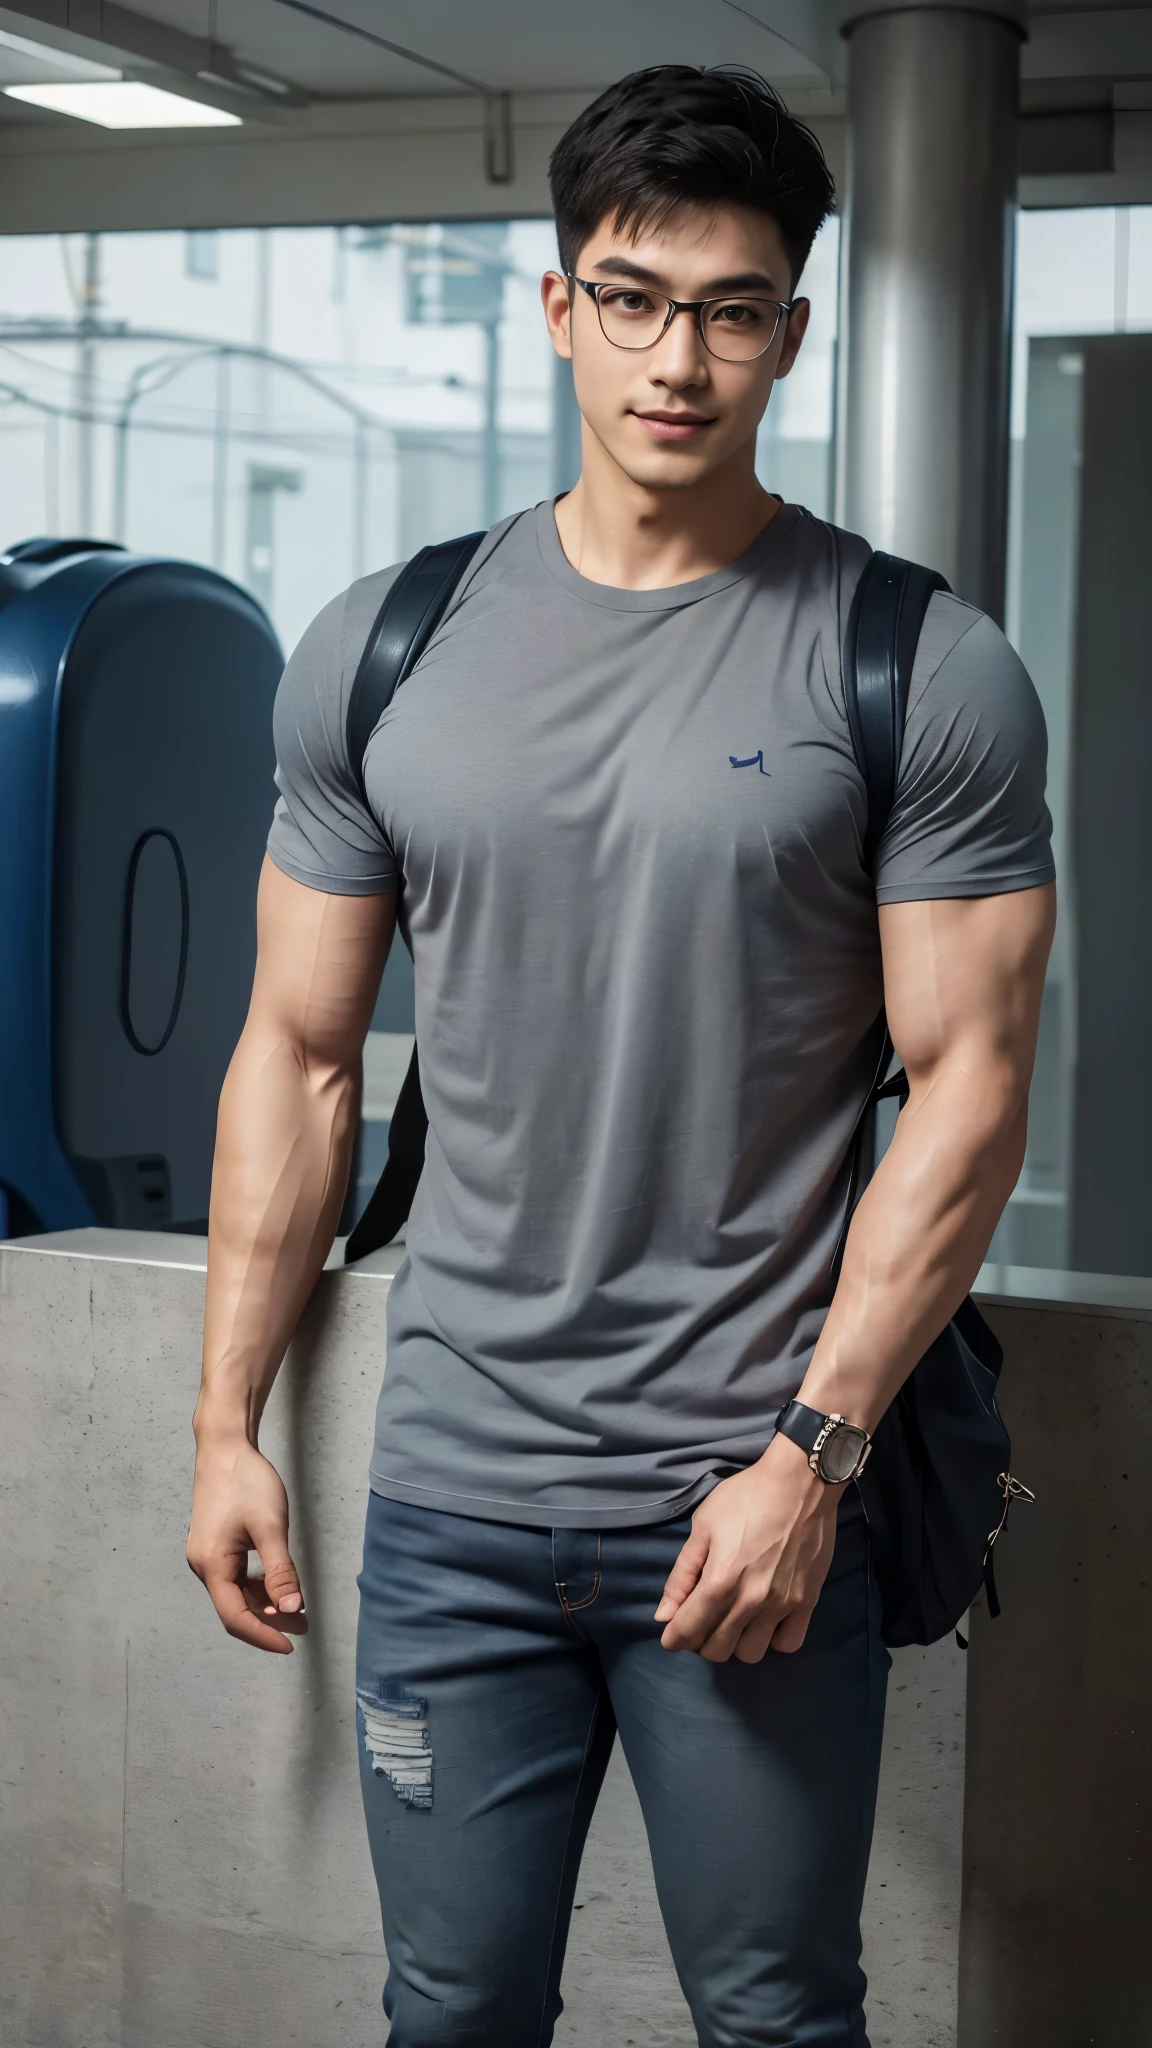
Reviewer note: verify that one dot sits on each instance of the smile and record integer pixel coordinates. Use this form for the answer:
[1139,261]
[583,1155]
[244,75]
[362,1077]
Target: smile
[670,426]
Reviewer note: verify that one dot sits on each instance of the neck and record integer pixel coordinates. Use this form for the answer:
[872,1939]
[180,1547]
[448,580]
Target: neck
[628,535]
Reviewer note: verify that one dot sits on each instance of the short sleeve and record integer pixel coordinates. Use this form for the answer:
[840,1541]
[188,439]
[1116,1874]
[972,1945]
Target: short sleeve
[969,817]
[323,833]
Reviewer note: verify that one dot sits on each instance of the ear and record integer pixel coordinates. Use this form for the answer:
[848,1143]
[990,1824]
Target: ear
[556,298]
[797,329]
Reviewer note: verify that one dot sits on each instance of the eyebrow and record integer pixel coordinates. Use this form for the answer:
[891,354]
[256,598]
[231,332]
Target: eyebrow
[740,281]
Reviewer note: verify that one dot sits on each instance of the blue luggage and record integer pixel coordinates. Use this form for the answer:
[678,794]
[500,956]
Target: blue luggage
[136,766]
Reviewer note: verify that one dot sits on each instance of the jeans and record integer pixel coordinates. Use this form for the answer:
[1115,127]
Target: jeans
[494,1667]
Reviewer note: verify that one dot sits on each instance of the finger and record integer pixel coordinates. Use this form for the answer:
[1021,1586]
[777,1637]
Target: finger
[227,1597]
[683,1576]
[725,1641]
[280,1575]
[758,1638]
[705,1610]
[256,1594]
[792,1631]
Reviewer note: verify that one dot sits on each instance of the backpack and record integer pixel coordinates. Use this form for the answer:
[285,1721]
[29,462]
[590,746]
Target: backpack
[937,1487]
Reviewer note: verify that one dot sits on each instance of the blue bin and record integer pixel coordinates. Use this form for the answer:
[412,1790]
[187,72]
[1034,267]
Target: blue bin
[136,766]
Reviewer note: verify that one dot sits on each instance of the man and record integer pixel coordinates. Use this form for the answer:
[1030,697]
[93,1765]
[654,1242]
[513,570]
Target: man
[616,810]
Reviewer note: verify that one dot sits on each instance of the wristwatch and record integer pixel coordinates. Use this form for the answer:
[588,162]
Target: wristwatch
[837,1449]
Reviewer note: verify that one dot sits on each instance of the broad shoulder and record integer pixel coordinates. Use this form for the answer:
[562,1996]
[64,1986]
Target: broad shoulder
[331,646]
[321,666]
[818,543]
[964,656]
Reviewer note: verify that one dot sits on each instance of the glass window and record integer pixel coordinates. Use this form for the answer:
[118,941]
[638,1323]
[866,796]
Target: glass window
[1083,283]
[342,397]
[794,453]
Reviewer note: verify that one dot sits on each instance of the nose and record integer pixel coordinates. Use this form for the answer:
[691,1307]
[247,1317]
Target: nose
[679,357]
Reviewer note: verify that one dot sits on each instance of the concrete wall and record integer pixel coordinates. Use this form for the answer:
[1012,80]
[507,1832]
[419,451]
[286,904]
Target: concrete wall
[182,1862]
[1058,1821]
[182,1858]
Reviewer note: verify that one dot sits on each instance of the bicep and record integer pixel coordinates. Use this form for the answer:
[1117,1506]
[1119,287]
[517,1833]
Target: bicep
[324,833]
[318,965]
[963,977]
[969,816]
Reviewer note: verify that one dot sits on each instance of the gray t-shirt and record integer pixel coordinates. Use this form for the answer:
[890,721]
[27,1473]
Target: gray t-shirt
[627,826]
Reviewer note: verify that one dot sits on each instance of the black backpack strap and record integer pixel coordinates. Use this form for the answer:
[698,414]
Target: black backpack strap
[884,625]
[888,610]
[400,632]
[390,1202]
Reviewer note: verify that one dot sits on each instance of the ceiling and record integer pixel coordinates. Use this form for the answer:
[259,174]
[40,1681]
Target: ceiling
[327,88]
[358,49]
[352,50]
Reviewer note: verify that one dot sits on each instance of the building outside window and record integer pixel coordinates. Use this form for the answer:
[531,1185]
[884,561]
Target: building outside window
[202,253]
[396,382]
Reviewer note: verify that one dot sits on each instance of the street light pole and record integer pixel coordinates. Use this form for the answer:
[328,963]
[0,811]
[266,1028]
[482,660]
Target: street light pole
[222,427]
[86,386]
[490,456]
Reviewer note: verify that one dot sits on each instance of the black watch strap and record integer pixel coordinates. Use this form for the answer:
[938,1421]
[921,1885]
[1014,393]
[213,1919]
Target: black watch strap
[836,1449]
[800,1425]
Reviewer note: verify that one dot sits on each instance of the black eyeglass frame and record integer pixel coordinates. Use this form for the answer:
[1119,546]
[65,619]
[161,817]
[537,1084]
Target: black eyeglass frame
[786,307]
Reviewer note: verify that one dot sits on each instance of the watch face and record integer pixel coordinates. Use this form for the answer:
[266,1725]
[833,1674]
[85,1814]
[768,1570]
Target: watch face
[842,1453]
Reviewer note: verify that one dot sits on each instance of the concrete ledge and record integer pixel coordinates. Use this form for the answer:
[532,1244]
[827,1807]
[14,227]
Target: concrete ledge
[1039,1287]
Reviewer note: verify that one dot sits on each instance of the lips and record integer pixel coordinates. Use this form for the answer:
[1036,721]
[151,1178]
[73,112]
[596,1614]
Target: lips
[672,426]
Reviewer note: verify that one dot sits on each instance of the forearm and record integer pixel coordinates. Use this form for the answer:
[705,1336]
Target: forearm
[284,1146]
[762,1542]
[919,1235]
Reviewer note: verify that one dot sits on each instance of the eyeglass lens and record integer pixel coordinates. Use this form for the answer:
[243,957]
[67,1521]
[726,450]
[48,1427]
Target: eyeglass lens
[735,330]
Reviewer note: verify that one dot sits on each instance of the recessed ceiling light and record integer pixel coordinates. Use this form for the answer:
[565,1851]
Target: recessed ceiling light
[124,103]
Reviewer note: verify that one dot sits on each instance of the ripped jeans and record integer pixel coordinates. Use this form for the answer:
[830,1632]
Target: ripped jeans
[494,1667]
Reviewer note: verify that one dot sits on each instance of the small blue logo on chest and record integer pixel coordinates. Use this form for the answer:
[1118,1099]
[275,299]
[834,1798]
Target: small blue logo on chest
[755,760]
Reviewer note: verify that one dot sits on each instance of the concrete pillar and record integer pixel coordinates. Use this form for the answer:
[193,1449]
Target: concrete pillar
[923,461]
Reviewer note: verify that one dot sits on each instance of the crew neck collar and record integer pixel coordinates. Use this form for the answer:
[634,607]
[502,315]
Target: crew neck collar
[608,598]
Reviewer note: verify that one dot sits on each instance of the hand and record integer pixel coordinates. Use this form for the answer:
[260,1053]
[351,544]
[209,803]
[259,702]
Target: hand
[239,1504]
[750,1573]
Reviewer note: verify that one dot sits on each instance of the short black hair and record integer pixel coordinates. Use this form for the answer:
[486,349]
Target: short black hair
[681,134]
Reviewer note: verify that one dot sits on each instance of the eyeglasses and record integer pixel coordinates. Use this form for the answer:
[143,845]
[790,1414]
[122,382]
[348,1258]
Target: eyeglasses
[735,330]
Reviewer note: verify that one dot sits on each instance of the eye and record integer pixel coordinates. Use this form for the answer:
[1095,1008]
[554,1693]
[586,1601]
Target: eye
[626,301]
[737,313]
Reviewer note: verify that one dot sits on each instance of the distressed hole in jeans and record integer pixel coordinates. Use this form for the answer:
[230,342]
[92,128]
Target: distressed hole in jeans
[397,1740]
